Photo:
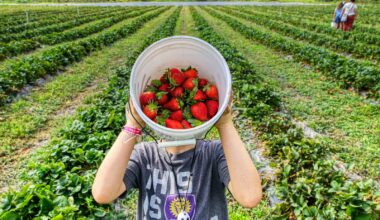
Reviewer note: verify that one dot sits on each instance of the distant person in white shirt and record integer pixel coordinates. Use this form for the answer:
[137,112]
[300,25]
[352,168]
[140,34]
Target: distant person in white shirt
[350,11]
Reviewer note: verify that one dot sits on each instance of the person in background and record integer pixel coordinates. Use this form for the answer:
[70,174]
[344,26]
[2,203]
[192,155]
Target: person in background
[337,15]
[350,10]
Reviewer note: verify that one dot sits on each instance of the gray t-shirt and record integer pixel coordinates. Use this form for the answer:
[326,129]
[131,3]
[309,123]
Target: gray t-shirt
[150,172]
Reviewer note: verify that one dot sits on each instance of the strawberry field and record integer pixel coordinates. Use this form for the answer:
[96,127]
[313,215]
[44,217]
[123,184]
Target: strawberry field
[306,102]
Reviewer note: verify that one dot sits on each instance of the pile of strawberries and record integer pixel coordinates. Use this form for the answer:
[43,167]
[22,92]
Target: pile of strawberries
[180,99]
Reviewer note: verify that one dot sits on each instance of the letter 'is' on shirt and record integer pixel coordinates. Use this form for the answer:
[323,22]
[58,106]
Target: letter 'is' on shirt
[150,172]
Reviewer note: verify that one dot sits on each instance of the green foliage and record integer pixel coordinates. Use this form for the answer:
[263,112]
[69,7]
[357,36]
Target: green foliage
[27,70]
[30,19]
[55,26]
[360,75]
[17,47]
[357,49]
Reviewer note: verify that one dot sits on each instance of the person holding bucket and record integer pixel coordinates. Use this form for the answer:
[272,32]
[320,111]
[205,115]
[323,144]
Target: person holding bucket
[183,177]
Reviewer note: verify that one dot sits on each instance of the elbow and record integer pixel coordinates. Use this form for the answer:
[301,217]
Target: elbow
[252,200]
[101,197]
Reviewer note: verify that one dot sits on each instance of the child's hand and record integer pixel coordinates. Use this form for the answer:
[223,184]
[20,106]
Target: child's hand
[227,115]
[133,118]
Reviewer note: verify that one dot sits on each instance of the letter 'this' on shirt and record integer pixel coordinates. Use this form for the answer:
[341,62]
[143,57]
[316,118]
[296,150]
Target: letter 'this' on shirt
[149,171]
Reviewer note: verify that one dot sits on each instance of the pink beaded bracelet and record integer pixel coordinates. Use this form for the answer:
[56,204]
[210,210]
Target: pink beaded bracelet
[131,130]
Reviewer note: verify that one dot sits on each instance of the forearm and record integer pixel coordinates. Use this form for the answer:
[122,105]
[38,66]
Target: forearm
[245,183]
[108,183]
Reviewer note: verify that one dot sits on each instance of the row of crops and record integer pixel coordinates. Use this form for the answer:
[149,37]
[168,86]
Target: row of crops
[17,73]
[308,46]
[57,185]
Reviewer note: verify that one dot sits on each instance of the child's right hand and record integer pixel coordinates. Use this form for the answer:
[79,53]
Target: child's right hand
[133,118]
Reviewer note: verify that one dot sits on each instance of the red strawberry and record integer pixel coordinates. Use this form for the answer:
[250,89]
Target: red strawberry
[212,108]
[185,124]
[199,111]
[177,92]
[173,105]
[199,96]
[211,91]
[177,115]
[191,73]
[150,110]
[147,97]
[162,98]
[202,83]
[176,77]
[173,124]
[190,83]
[164,87]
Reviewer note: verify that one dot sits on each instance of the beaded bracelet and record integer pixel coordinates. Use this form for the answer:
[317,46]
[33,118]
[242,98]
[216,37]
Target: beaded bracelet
[132,130]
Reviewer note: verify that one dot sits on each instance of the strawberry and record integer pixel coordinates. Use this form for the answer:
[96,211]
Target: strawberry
[199,111]
[173,105]
[147,97]
[176,115]
[199,96]
[177,92]
[191,73]
[211,91]
[190,83]
[212,108]
[164,87]
[176,77]
[162,98]
[173,124]
[150,110]
[185,124]
[202,83]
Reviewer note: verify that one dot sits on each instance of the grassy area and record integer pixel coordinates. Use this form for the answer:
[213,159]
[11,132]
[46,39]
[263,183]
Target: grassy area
[348,121]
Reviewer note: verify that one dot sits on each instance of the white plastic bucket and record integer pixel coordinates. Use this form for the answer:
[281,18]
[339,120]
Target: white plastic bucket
[180,52]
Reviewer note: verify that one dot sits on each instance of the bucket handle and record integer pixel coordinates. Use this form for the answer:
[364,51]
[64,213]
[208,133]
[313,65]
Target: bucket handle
[176,143]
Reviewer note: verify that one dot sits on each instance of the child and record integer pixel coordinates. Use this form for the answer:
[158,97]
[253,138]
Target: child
[184,182]
[338,14]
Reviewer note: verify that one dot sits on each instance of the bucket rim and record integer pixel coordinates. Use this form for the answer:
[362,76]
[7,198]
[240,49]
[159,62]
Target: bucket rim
[155,126]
